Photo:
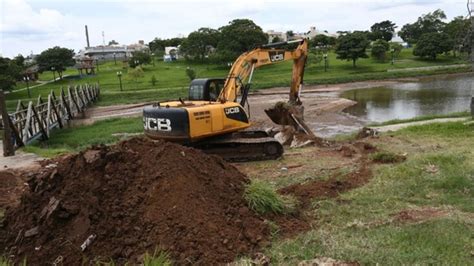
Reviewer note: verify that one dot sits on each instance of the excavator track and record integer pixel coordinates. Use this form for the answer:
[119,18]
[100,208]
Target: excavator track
[243,146]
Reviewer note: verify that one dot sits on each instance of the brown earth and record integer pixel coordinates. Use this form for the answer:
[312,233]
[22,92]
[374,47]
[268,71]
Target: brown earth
[336,184]
[131,198]
[11,187]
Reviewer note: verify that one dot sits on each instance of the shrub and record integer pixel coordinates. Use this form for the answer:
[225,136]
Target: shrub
[262,198]
[387,157]
[190,73]
[379,49]
[159,258]
[153,80]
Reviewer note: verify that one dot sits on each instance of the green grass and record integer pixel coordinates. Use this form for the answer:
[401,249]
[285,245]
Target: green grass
[173,82]
[158,258]
[386,157]
[422,118]
[77,138]
[262,198]
[358,227]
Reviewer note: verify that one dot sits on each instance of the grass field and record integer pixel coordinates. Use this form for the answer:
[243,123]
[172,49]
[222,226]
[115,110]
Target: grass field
[437,179]
[172,80]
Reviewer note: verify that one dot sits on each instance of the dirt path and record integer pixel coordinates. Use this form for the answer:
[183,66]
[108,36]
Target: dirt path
[20,160]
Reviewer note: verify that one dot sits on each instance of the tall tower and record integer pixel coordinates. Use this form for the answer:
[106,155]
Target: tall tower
[87,37]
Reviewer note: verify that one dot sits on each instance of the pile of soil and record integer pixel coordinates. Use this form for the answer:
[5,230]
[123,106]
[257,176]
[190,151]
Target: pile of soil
[130,198]
[11,187]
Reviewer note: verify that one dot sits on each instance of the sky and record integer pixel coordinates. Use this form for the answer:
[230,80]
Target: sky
[31,26]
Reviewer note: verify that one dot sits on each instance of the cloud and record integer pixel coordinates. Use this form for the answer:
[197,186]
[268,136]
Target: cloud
[19,20]
[37,25]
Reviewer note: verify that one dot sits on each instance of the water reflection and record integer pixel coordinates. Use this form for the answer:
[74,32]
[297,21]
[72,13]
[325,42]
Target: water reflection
[408,100]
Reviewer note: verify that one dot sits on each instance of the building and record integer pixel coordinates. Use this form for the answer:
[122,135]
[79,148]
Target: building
[397,39]
[305,35]
[171,53]
[112,52]
[276,34]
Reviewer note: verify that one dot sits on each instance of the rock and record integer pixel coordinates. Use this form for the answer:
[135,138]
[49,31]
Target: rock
[32,232]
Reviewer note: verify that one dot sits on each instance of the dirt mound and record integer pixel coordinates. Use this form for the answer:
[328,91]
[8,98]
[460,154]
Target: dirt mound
[11,187]
[131,198]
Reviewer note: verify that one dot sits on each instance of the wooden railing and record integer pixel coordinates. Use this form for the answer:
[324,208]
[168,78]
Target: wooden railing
[33,121]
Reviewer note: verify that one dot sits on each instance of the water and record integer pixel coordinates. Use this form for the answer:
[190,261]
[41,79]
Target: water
[433,96]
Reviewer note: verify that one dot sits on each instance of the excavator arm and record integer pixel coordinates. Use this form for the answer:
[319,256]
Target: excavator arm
[242,69]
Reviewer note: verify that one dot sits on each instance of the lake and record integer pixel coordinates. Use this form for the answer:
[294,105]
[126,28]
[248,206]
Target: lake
[430,96]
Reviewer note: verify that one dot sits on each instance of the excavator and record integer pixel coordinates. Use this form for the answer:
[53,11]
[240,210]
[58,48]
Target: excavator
[214,118]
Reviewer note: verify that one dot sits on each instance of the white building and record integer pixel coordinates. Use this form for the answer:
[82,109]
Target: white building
[276,34]
[171,53]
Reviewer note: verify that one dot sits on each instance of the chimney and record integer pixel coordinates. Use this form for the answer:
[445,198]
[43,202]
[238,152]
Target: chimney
[87,37]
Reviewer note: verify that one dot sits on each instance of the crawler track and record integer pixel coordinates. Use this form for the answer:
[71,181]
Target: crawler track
[243,146]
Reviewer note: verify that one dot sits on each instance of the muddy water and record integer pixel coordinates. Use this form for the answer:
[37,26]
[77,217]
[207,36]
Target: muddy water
[438,95]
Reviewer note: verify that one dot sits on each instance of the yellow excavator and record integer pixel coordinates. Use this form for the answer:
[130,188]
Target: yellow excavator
[214,119]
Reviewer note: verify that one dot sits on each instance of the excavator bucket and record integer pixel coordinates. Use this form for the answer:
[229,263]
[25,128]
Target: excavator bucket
[289,115]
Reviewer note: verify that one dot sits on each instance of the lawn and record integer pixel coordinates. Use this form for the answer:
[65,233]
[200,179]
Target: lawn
[172,81]
[360,225]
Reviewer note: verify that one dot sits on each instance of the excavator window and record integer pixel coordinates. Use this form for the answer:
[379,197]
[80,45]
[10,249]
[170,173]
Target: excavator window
[196,92]
[205,89]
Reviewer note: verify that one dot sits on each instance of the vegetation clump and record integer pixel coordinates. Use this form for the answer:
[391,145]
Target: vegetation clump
[262,198]
[387,157]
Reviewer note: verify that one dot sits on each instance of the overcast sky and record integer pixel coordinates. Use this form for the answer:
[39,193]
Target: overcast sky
[33,26]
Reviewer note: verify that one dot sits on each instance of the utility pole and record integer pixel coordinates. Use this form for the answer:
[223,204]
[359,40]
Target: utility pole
[8,148]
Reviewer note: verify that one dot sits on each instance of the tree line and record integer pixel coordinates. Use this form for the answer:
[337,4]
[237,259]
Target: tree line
[430,36]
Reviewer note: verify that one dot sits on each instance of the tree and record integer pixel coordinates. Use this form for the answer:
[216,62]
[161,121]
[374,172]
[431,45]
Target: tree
[153,80]
[379,49]
[432,44]
[290,34]
[10,72]
[139,58]
[239,36]
[113,42]
[19,60]
[158,45]
[136,73]
[276,39]
[190,73]
[427,23]
[56,58]
[383,30]
[199,43]
[396,47]
[457,29]
[352,46]
[322,40]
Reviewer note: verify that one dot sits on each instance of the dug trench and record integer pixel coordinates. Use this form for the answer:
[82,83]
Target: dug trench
[119,202]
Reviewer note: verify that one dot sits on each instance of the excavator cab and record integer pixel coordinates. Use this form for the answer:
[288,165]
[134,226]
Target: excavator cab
[205,89]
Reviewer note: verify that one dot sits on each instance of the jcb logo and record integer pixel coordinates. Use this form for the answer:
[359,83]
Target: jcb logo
[231,110]
[160,124]
[277,56]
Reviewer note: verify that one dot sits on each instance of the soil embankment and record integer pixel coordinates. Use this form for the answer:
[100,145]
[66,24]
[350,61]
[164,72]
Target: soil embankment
[130,198]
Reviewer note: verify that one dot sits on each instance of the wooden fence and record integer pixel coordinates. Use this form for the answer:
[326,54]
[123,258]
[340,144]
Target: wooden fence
[33,121]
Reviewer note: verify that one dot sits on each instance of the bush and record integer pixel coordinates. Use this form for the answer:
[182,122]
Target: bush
[262,198]
[190,73]
[379,49]
[387,157]
[153,80]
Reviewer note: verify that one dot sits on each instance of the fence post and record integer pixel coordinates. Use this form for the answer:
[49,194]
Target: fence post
[8,146]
